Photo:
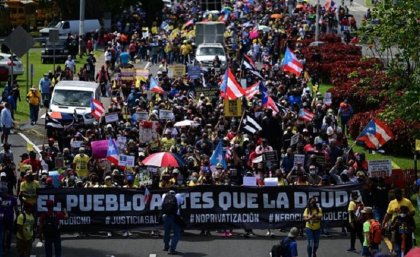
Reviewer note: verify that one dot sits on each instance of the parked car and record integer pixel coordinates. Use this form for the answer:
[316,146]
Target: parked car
[6,62]
[60,49]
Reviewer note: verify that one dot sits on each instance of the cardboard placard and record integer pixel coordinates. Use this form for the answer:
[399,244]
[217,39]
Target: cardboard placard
[250,181]
[126,160]
[271,182]
[379,168]
[176,70]
[319,157]
[328,98]
[166,115]
[127,74]
[298,159]
[194,72]
[76,144]
[294,139]
[140,116]
[232,108]
[210,92]
[270,156]
[111,117]
[148,131]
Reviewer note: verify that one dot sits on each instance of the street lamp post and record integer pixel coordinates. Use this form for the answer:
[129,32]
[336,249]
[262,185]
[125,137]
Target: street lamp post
[317,22]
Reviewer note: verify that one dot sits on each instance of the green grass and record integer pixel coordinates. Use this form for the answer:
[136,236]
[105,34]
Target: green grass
[368,3]
[22,114]
[399,161]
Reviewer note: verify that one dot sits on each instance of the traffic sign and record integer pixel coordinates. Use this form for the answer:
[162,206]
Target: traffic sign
[19,41]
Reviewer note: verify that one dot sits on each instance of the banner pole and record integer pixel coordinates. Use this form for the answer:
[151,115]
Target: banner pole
[240,122]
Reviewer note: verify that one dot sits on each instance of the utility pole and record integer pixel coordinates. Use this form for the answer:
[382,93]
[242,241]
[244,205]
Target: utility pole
[317,22]
[81,22]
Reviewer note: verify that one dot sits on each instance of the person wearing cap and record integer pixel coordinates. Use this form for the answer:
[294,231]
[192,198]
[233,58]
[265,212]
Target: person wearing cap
[263,147]
[49,227]
[25,230]
[395,205]
[80,163]
[170,223]
[345,112]
[28,188]
[312,216]
[108,181]
[369,248]
[167,141]
[34,99]
[44,88]
[290,242]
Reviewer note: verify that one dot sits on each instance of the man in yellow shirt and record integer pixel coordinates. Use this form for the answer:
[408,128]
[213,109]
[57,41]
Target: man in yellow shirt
[34,99]
[28,189]
[395,205]
[312,215]
[80,163]
[25,231]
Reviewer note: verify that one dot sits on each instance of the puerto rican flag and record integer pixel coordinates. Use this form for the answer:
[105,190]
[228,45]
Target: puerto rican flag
[272,105]
[305,115]
[97,109]
[291,64]
[230,88]
[147,196]
[155,87]
[112,152]
[249,63]
[375,134]
[251,91]
[188,23]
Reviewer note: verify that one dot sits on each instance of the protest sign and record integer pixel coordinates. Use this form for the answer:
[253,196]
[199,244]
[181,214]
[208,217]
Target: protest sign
[294,139]
[328,98]
[166,115]
[210,92]
[127,74]
[232,108]
[126,160]
[271,182]
[194,72]
[379,168]
[111,117]
[148,131]
[205,207]
[140,116]
[298,159]
[249,181]
[176,70]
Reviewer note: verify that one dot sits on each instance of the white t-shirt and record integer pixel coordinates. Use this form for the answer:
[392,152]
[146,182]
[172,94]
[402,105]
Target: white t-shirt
[70,64]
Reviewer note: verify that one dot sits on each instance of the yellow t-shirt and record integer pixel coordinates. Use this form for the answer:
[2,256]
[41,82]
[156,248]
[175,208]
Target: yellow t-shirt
[81,163]
[315,222]
[34,98]
[282,182]
[28,226]
[166,143]
[30,190]
[394,206]
[352,207]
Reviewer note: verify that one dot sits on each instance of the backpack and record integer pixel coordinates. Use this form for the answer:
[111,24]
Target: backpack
[51,226]
[280,250]
[170,205]
[375,232]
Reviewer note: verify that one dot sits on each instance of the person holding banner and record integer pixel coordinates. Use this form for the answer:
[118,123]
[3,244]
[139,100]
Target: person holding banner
[312,216]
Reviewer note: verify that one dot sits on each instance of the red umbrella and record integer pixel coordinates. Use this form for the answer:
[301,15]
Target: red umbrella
[163,159]
[415,252]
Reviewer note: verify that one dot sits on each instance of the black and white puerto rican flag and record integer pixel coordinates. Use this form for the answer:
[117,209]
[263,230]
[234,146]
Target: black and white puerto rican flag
[250,125]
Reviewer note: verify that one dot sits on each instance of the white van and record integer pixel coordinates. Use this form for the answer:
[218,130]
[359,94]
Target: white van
[71,26]
[70,96]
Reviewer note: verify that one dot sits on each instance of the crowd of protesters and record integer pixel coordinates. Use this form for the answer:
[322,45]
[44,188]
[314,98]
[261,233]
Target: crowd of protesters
[329,160]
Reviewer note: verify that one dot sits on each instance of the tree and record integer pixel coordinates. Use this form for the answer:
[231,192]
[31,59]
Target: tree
[393,35]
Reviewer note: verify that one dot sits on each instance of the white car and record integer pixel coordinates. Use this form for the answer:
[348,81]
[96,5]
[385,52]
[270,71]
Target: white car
[206,53]
[5,61]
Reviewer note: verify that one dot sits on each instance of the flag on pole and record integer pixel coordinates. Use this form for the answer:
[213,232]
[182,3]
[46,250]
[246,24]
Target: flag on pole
[305,115]
[264,94]
[112,152]
[155,87]
[218,156]
[188,23]
[97,108]
[147,196]
[375,134]
[272,105]
[251,91]
[290,63]
[230,88]
[250,125]
[249,63]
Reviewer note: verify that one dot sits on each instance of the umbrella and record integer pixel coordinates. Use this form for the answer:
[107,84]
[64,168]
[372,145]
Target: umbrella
[163,159]
[253,34]
[276,16]
[264,28]
[413,252]
[186,123]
